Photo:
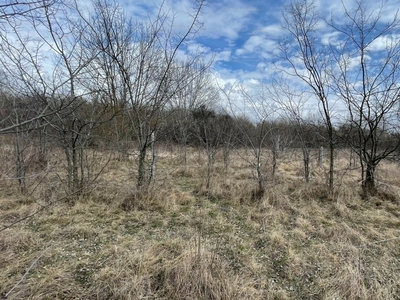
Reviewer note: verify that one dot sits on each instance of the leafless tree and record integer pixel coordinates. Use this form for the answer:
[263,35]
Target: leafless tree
[191,97]
[137,64]
[208,128]
[291,104]
[15,8]
[47,63]
[21,58]
[252,114]
[367,78]
[309,60]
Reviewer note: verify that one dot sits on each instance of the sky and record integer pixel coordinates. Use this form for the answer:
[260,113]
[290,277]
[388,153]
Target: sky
[243,36]
[240,35]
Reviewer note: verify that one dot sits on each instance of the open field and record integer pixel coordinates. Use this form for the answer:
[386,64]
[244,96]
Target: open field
[180,241]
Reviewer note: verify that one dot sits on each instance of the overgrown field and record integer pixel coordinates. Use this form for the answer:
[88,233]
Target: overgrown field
[181,241]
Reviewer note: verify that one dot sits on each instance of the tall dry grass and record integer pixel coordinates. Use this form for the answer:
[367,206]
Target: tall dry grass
[182,241]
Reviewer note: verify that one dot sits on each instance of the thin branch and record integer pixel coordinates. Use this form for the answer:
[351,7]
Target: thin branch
[27,271]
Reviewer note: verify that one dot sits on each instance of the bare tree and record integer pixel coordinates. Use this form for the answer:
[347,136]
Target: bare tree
[137,64]
[50,68]
[15,8]
[209,131]
[291,106]
[367,78]
[20,142]
[309,61]
[254,132]
[21,59]
[191,97]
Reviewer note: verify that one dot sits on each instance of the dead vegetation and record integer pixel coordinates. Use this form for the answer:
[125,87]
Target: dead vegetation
[182,241]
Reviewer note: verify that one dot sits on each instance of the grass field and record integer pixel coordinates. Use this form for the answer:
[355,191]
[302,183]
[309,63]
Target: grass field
[180,241]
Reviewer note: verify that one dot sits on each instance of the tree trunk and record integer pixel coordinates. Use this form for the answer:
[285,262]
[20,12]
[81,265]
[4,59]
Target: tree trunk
[185,157]
[153,157]
[75,158]
[369,188]
[82,164]
[321,157]
[210,168]
[274,156]
[331,162]
[259,192]
[306,158]
[69,166]
[75,176]
[260,179]
[142,168]
[20,162]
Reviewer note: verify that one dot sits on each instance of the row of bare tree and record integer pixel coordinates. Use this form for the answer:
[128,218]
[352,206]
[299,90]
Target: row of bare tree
[358,70]
[76,75]
[69,67]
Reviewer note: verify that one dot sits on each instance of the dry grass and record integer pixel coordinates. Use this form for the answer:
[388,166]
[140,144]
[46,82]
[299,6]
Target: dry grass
[180,241]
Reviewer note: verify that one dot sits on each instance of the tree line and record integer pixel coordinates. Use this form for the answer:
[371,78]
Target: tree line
[96,78]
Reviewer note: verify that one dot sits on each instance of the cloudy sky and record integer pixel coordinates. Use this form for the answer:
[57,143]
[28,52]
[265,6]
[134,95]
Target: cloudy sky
[243,35]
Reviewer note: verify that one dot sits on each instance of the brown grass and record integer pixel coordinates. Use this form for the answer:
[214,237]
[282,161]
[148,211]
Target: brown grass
[180,241]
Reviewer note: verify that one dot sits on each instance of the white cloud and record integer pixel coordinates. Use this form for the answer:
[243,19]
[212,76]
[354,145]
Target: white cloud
[226,19]
[390,10]
[385,42]
[258,44]
[207,54]
[220,19]
[274,30]
[224,55]
[386,10]
[331,38]
[195,48]
[251,44]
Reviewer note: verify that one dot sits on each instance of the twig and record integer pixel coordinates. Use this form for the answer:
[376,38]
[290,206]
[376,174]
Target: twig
[27,272]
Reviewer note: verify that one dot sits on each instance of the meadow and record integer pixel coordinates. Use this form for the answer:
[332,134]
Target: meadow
[179,240]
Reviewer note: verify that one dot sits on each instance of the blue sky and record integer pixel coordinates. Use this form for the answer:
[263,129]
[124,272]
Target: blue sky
[243,35]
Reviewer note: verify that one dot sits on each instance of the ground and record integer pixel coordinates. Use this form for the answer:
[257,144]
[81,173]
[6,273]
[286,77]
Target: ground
[180,241]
